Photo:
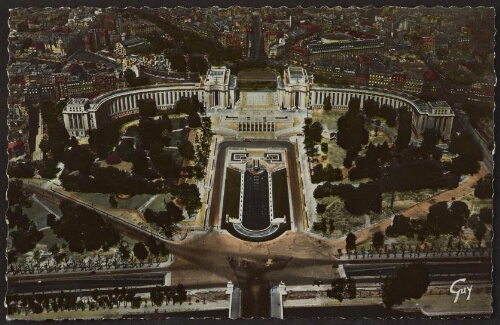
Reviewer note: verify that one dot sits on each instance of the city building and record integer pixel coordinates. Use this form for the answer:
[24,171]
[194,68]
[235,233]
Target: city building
[295,91]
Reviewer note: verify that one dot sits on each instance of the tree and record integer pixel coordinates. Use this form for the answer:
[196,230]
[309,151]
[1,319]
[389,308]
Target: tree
[442,220]
[187,150]
[194,120]
[342,288]
[180,294]
[140,251]
[486,215]
[16,195]
[400,226]
[404,129]
[352,134]
[44,147]
[320,208]
[51,220]
[410,282]
[83,229]
[480,231]
[78,158]
[350,241]
[147,107]
[484,187]
[327,104]
[378,239]
[24,239]
[188,196]
[113,202]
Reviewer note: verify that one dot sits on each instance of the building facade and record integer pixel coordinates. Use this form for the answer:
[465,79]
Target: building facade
[295,91]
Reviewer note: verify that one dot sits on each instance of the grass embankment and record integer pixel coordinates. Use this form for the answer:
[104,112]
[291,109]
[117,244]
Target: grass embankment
[281,205]
[231,194]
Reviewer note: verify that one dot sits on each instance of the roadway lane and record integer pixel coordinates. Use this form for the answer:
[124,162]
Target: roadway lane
[214,216]
[90,282]
[437,271]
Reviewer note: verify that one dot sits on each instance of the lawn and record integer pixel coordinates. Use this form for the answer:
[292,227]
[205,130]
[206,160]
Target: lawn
[159,203]
[38,213]
[231,194]
[281,205]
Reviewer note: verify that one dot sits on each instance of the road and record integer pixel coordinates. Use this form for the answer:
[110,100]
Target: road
[214,216]
[87,282]
[480,271]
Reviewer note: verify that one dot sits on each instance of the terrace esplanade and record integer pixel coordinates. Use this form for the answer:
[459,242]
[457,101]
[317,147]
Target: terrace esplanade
[294,92]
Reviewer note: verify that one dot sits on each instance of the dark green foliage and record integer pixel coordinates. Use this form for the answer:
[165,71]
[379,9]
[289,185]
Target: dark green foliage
[189,105]
[484,187]
[428,145]
[410,282]
[324,147]
[176,60]
[350,241]
[369,165]
[58,138]
[26,236]
[154,132]
[415,175]
[166,219]
[328,174]
[327,103]
[180,294]
[371,108]
[390,115]
[320,208]
[342,288]
[464,165]
[365,198]
[486,215]
[350,155]
[197,63]
[444,220]
[141,165]
[480,231]
[404,129]
[133,80]
[194,120]
[157,296]
[21,171]
[125,149]
[78,158]
[163,162]
[147,107]
[477,112]
[378,239]
[83,229]
[51,220]
[312,136]
[341,190]
[140,251]
[400,226]
[155,247]
[16,195]
[187,150]
[352,134]
[464,145]
[113,202]
[48,169]
[313,131]
[103,139]
[189,197]
[111,180]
